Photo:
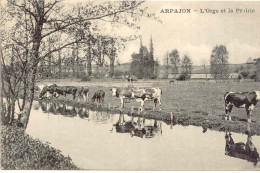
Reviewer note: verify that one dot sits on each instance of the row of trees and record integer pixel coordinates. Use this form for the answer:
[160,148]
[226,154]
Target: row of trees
[175,64]
[76,59]
[34,31]
[218,63]
[143,64]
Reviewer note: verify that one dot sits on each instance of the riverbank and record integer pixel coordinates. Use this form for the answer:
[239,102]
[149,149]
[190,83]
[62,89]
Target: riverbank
[196,119]
[19,151]
[192,103]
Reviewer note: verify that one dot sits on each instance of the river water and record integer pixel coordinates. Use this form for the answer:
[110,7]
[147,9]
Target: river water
[92,141]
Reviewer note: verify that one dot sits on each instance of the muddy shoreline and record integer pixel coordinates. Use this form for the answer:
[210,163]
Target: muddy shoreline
[205,121]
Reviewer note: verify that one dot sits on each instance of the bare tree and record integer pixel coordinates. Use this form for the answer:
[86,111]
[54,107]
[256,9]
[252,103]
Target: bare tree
[37,21]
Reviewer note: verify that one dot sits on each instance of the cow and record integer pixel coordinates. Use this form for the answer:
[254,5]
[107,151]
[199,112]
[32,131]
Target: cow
[248,100]
[131,78]
[83,93]
[48,90]
[99,96]
[122,94]
[140,95]
[241,150]
[64,90]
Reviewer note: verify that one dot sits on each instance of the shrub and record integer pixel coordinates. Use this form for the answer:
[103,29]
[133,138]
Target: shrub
[253,76]
[183,77]
[154,76]
[20,151]
[118,74]
[86,78]
[244,74]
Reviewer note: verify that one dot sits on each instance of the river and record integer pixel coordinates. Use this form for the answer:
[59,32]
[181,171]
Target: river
[92,141]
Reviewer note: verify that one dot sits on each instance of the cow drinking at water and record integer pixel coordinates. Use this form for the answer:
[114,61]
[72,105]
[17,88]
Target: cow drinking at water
[47,91]
[82,92]
[64,90]
[99,96]
[248,100]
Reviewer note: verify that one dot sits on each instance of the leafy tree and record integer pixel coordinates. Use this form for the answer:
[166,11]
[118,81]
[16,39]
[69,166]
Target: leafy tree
[175,61]
[166,63]
[143,64]
[135,65]
[186,64]
[219,62]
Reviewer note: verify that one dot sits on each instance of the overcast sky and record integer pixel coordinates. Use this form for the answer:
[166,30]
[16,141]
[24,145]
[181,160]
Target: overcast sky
[196,34]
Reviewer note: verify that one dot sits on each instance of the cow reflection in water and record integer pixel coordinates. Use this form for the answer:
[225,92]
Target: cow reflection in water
[241,150]
[139,128]
[63,109]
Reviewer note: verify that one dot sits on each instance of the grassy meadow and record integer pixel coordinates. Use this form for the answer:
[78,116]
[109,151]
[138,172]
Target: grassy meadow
[201,101]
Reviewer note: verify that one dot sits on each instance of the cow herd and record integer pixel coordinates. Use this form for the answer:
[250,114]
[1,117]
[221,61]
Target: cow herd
[140,95]
[248,100]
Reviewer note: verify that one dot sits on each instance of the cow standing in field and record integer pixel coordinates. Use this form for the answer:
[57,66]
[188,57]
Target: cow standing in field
[99,96]
[143,95]
[248,100]
[122,94]
[140,95]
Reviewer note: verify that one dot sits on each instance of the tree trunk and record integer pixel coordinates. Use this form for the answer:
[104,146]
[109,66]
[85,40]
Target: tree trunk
[59,64]
[112,66]
[28,104]
[89,68]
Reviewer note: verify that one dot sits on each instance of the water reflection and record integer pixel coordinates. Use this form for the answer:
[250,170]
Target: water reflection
[139,127]
[101,117]
[179,148]
[241,150]
[57,108]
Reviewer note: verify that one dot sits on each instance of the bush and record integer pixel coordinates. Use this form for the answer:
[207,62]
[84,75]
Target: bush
[244,74]
[20,151]
[154,76]
[99,75]
[86,78]
[240,76]
[253,76]
[118,74]
[183,77]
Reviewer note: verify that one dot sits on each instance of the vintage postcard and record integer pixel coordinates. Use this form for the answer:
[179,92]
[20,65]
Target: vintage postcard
[130,85]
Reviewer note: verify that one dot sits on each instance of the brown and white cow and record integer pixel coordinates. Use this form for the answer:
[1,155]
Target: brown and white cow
[248,100]
[99,96]
[122,94]
[140,95]
[83,92]
[64,90]
[47,91]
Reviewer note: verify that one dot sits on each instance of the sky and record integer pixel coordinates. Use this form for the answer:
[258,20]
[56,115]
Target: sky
[196,34]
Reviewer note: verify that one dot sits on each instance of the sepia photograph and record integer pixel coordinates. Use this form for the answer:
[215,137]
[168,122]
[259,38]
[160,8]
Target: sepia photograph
[130,85]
